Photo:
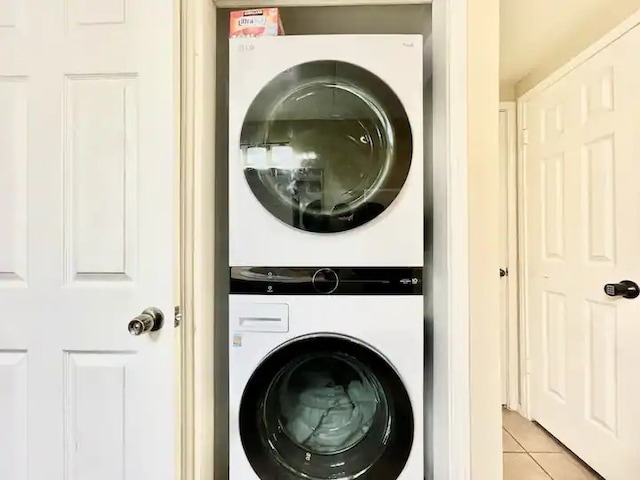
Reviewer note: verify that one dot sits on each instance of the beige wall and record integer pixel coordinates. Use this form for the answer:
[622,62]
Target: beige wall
[579,38]
[483,107]
[507,92]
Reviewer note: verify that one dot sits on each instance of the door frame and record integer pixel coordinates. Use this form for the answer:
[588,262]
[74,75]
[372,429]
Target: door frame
[513,326]
[452,402]
[197,237]
[607,39]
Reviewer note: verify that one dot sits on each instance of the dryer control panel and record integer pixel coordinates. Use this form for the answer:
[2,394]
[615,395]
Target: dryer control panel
[326,280]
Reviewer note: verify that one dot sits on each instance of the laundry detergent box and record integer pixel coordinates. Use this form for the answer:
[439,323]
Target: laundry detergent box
[255,23]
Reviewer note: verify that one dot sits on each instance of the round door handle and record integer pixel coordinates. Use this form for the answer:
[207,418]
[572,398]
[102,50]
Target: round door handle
[625,289]
[150,320]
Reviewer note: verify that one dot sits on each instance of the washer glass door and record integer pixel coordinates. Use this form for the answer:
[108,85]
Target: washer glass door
[326,146]
[326,407]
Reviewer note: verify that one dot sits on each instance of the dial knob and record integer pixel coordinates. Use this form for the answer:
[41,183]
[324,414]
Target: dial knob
[325,281]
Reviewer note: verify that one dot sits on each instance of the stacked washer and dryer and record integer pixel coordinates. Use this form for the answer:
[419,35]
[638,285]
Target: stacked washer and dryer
[326,256]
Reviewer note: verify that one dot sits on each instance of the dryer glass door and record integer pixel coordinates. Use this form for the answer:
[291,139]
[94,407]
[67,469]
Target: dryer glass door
[326,146]
[326,407]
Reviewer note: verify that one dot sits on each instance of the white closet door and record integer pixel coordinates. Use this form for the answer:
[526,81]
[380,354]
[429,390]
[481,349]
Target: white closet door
[87,122]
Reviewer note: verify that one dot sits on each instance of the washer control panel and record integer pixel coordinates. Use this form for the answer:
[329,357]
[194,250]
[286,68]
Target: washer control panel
[326,280]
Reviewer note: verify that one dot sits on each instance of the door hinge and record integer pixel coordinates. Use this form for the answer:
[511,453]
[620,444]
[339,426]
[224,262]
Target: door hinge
[177,316]
[504,272]
[525,136]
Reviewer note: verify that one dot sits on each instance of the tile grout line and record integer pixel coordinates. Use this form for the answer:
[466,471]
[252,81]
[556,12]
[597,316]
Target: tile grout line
[515,440]
[538,463]
[564,451]
[526,452]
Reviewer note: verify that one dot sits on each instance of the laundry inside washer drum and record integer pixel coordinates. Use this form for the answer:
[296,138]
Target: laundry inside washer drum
[325,407]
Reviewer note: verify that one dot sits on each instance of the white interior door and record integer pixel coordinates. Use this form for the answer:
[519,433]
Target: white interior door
[86,229]
[508,268]
[582,166]
[504,254]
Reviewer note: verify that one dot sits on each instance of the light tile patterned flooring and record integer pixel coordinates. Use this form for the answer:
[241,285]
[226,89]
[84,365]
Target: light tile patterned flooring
[530,453]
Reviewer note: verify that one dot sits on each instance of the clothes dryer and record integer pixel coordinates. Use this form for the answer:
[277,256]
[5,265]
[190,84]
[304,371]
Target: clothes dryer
[326,150]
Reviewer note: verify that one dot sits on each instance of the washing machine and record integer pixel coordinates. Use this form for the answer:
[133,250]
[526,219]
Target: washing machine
[326,374]
[326,150]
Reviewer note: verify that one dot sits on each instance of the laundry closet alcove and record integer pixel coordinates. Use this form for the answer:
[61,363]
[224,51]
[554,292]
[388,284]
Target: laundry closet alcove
[443,25]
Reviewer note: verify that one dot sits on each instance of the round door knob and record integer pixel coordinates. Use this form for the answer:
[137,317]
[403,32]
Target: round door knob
[150,320]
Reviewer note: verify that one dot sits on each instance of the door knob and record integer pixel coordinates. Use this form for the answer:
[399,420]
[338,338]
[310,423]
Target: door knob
[625,288]
[150,320]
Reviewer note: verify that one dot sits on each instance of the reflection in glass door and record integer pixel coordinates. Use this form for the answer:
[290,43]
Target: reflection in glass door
[326,146]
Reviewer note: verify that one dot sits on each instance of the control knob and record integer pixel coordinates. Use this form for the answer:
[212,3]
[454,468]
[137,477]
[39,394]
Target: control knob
[325,281]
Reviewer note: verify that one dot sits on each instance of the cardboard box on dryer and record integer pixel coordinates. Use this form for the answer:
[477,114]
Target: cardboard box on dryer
[255,23]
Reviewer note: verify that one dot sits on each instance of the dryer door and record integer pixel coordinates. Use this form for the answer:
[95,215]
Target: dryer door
[326,407]
[326,146]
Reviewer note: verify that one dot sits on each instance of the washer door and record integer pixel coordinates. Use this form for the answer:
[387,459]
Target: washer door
[326,146]
[326,407]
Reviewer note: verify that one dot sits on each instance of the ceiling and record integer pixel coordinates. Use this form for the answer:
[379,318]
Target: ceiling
[535,32]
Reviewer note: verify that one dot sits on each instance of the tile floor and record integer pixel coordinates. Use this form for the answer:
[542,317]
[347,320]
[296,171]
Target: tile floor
[530,453]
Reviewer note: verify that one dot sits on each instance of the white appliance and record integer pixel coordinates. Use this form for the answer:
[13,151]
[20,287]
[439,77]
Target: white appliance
[326,150]
[326,377]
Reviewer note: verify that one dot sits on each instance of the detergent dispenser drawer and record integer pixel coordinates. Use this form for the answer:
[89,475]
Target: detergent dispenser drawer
[260,317]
